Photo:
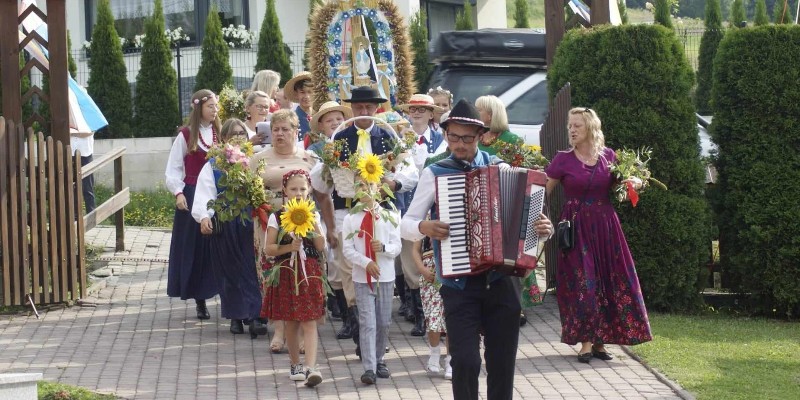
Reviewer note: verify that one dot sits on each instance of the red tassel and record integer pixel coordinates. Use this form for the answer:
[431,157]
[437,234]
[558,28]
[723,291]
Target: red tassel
[632,195]
[367,231]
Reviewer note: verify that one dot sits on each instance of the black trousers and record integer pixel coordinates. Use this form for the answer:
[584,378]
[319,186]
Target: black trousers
[88,186]
[495,309]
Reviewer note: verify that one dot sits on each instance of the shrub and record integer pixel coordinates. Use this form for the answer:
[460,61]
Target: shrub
[756,102]
[215,70]
[521,12]
[638,80]
[662,13]
[154,208]
[783,11]
[419,43]
[271,53]
[708,48]
[108,82]
[737,14]
[464,18]
[761,13]
[156,98]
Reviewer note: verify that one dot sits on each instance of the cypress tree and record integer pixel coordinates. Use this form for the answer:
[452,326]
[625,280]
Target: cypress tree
[271,52]
[669,267]
[623,11]
[156,98]
[737,14]
[464,18]
[419,43]
[215,69]
[708,49]
[521,11]
[761,13]
[108,82]
[782,12]
[71,65]
[662,13]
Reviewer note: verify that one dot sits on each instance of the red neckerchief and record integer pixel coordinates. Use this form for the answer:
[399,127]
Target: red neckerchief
[367,231]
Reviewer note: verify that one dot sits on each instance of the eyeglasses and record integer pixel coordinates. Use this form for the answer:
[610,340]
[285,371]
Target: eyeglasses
[239,133]
[467,139]
[418,109]
[260,107]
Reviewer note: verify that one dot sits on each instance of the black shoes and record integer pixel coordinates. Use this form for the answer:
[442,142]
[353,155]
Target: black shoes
[333,307]
[368,377]
[383,372]
[585,357]
[603,355]
[522,320]
[417,312]
[202,310]
[257,328]
[237,326]
[349,324]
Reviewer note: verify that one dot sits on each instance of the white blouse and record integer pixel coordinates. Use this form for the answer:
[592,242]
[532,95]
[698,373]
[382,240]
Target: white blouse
[176,171]
[205,191]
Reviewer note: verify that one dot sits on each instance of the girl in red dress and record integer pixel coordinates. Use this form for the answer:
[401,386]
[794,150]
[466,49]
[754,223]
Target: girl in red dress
[285,301]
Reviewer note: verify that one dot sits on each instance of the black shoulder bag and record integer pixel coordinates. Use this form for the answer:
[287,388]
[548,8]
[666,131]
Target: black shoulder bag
[565,231]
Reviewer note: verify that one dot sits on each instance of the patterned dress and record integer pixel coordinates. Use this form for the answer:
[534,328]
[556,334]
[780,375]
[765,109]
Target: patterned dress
[287,301]
[429,293]
[599,297]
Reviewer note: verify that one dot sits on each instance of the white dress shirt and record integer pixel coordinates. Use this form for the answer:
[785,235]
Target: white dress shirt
[354,248]
[175,171]
[205,191]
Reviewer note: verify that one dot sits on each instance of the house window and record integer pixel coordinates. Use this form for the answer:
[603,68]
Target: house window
[190,15]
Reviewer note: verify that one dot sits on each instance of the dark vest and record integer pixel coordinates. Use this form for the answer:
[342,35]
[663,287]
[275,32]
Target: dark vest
[193,161]
[381,141]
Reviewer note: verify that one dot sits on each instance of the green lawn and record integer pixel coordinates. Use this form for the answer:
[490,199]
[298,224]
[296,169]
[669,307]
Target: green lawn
[717,356]
[153,208]
[58,391]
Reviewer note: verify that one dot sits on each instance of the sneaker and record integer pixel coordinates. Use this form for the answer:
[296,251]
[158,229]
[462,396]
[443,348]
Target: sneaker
[297,372]
[368,377]
[448,370]
[313,378]
[383,371]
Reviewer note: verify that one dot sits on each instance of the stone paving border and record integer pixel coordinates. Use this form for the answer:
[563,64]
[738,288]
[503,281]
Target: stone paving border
[132,340]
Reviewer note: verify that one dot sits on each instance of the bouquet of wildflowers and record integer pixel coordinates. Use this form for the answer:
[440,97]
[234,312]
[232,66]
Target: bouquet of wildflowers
[400,151]
[521,155]
[231,104]
[632,165]
[244,195]
[330,156]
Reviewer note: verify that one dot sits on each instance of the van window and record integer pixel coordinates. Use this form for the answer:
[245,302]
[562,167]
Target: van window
[471,84]
[530,108]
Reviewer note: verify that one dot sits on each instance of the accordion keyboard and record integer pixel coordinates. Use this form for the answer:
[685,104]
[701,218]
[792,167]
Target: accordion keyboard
[452,210]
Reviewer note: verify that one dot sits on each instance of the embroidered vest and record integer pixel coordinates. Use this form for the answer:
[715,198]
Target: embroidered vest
[193,161]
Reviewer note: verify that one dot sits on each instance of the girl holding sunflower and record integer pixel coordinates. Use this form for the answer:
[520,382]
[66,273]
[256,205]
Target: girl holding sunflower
[295,294]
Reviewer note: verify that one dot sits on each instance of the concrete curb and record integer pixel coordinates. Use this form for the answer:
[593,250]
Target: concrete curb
[683,393]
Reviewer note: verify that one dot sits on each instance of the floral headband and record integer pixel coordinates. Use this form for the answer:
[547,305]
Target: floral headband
[205,99]
[296,172]
[440,91]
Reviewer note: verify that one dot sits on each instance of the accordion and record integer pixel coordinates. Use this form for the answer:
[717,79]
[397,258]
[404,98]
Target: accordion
[491,211]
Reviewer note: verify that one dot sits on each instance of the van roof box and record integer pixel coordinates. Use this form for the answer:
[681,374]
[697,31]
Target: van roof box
[508,45]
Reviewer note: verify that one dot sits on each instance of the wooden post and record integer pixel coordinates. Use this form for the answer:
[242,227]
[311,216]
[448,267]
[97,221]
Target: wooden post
[59,97]
[119,217]
[600,12]
[554,25]
[9,59]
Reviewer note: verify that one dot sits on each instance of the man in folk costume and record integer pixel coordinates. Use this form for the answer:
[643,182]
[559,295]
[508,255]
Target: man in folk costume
[484,302]
[364,137]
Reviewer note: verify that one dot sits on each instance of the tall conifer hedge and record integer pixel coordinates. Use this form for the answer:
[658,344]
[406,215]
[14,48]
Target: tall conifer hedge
[756,100]
[638,80]
[271,50]
[108,77]
[156,98]
[708,49]
[215,68]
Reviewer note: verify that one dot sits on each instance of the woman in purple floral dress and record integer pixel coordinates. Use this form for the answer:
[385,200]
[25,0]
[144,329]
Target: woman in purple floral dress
[599,297]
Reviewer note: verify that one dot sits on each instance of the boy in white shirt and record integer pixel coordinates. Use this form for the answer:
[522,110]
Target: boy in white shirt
[373,278]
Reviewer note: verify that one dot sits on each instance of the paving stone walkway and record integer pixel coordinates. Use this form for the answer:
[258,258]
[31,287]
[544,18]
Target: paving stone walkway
[130,339]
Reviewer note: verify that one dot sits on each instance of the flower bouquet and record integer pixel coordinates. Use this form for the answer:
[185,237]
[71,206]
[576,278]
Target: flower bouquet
[631,166]
[521,155]
[335,172]
[244,196]
[231,104]
[370,194]
[399,153]
[297,220]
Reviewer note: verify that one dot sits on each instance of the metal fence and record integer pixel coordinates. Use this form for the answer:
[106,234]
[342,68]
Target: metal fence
[186,61]
[690,37]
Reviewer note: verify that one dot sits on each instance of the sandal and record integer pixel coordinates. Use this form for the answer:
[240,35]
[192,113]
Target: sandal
[275,347]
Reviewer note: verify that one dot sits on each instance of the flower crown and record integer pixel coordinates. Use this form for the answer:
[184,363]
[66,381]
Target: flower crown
[204,99]
[296,172]
[440,91]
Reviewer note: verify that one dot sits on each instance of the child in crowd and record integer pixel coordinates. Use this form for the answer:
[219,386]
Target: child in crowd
[190,275]
[232,255]
[286,300]
[432,306]
[372,251]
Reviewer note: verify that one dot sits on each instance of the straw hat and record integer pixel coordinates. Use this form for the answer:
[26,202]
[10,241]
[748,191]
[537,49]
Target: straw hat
[288,88]
[327,107]
[418,100]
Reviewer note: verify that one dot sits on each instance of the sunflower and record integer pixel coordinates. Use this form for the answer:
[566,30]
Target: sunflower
[298,217]
[371,168]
